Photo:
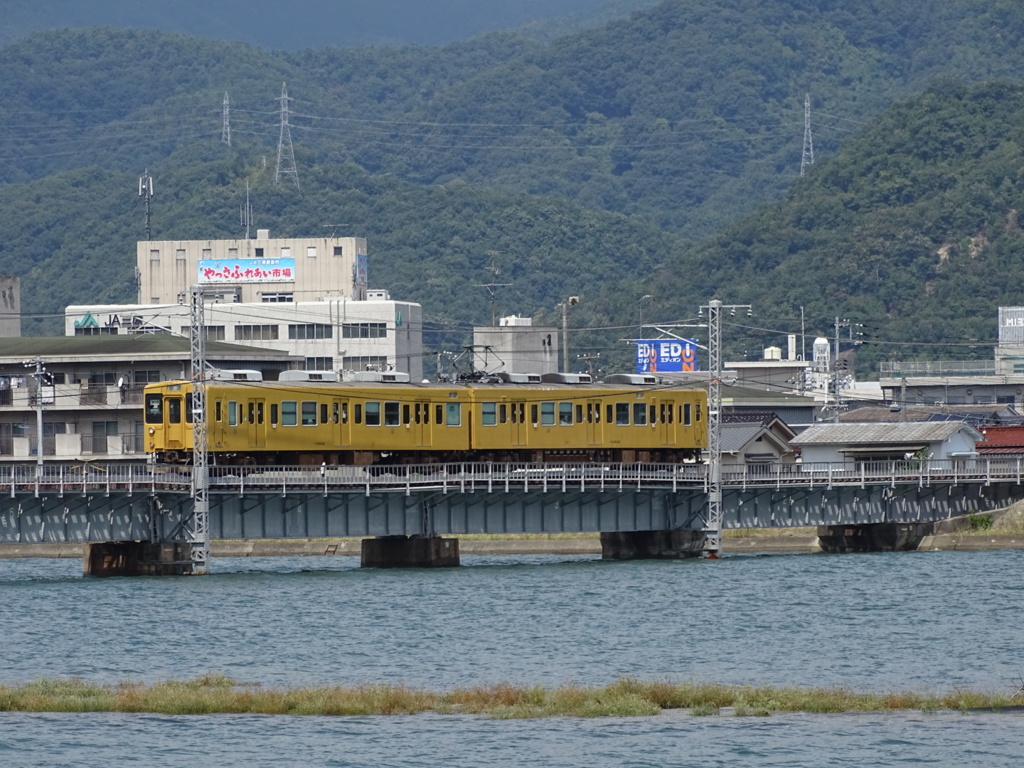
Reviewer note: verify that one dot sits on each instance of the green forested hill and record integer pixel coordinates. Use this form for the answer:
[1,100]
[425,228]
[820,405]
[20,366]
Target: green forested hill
[912,229]
[580,165]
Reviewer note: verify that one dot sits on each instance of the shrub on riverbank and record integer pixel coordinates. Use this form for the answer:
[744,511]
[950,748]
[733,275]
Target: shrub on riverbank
[216,694]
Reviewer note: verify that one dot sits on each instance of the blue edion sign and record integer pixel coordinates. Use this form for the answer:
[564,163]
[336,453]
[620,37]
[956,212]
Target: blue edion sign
[655,355]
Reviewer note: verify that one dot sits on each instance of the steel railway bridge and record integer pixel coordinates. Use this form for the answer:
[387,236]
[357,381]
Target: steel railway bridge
[136,517]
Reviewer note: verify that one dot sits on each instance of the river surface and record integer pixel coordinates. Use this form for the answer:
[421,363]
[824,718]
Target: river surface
[928,621]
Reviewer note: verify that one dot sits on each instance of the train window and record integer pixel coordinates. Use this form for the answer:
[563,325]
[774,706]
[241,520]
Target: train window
[502,413]
[488,415]
[218,411]
[453,415]
[639,414]
[417,413]
[439,414]
[344,412]
[372,413]
[622,414]
[671,410]
[358,415]
[597,413]
[289,413]
[579,414]
[259,411]
[273,414]
[522,412]
[323,413]
[565,414]
[534,414]
[652,414]
[335,412]
[547,413]
[252,412]
[608,411]
[188,408]
[515,414]
[406,415]
[686,415]
[391,414]
[309,413]
[661,413]
[174,410]
[154,408]
[590,413]
[696,412]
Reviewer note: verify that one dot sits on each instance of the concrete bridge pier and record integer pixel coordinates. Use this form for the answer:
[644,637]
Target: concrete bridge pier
[650,545]
[137,558]
[877,537]
[409,552]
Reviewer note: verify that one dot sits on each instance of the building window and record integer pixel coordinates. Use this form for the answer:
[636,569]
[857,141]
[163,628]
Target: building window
[96,331]
[207,253]
[365,363]
[311,251]
[286,252]
[256,332]
[310,331]
[179,254]
[154,255]
[319,363]
[277,298]
[147,377]
[364,330]
[259,253]
[213,332]
[337,250]
[232,253]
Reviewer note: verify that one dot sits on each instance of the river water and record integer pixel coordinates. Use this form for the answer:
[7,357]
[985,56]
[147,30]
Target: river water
[928,621]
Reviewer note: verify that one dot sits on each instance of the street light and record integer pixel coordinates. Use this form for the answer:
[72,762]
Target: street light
[572,301]
[641,305]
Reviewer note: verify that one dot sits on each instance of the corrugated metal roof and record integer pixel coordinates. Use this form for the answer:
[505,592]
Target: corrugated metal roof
[891,433]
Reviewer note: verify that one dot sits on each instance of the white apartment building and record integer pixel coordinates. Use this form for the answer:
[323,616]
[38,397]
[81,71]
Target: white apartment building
[304,296]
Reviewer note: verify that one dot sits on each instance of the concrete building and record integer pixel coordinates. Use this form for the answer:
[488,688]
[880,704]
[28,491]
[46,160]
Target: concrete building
[305,296]
[10,306]
[91,392]
[515,345]
[892,441]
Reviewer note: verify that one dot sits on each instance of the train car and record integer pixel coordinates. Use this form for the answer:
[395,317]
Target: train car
[305,422]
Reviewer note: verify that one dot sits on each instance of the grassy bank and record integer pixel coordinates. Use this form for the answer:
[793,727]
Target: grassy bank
[215,694]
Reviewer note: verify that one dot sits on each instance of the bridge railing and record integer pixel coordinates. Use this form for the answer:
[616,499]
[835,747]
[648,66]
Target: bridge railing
[499,477]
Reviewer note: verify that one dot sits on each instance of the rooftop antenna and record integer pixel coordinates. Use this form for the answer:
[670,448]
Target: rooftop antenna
[285,153]
[246,211]
[808,155]
[334,229]
[146,192]
[225,131]
[491,286]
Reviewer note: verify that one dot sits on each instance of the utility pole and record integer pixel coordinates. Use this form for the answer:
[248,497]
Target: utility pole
[807,158]
[39,375]
[199,534]
[712,543]
[285,152]
[572,301]
[146,192]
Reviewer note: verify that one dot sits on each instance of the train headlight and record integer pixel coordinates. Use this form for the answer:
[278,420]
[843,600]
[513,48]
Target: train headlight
[152,431]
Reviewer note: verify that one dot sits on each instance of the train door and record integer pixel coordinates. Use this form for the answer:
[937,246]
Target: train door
[341,431]
[421,424]
[256,418]
[518,429]
[174,410]
[595,433]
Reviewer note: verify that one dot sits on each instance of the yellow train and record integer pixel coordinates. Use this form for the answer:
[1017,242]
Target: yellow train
[627,419]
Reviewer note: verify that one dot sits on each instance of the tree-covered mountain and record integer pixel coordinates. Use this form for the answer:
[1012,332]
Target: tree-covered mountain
[579,164]
[301,24]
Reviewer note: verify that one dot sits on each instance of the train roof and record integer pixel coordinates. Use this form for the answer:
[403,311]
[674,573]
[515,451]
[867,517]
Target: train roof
[384,387]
